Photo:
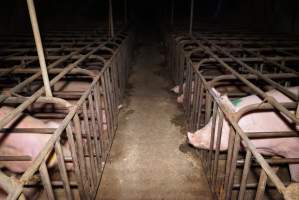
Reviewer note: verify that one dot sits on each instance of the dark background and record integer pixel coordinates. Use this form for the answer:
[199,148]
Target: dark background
[266,15]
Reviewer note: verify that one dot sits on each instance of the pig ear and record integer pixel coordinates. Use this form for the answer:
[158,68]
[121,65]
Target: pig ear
[175,89]
[216,92]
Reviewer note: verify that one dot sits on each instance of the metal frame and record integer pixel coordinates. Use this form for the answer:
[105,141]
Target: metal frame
[108,68]
[245,57]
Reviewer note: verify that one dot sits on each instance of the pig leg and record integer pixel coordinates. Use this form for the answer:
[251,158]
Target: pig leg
[294,171]
[180,99]
[294,168]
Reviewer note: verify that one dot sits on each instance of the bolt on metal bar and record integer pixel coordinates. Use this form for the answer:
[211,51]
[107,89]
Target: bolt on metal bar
[39,47]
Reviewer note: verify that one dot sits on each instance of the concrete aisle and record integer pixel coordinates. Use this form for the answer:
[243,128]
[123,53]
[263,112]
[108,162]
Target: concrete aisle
[145,160]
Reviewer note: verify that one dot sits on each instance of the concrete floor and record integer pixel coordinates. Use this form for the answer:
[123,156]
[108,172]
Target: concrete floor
[145,160]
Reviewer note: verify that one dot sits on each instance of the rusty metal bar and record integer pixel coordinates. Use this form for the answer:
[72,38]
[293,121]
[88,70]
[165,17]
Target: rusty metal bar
[76,163]
[245,175]
[46,180]
[62,169]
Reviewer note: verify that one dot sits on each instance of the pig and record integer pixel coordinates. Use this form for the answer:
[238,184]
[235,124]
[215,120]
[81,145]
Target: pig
[71,86]
[19,144]
[256,122]
[25,144]
[176,90]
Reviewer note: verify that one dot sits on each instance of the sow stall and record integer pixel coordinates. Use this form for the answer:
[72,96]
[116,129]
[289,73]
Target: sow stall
[87,119]
[210,65]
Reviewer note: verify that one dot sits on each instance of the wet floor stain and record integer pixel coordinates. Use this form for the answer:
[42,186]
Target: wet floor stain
[186,148]
[178,120]
[129,112]
[162,72]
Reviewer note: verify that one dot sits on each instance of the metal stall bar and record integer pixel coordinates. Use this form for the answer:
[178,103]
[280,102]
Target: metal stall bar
[108,65]
[252,86]
[37,94]
[30,171]
[39,47]
[191,16]
[235,149]
[111,25]
[172,12]
[38,74]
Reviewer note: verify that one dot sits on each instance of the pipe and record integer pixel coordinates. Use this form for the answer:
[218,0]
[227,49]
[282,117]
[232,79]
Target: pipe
[191,16]
[172,13]
[39,47]
[126,12]
[111,26]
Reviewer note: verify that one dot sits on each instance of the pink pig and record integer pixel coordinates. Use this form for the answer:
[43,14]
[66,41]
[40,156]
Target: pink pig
[23,144]
[176,90]
[257,122]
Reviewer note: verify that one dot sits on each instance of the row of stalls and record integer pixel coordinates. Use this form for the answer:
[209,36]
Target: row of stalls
[239,90]
[56,146]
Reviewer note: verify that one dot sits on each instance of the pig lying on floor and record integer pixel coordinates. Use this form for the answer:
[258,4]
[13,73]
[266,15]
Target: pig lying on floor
[21,144]
[257,122]
[25,144]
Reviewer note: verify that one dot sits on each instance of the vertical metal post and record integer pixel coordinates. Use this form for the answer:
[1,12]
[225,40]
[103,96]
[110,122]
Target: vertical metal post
[126,11]
[297,111]
[111,26]
[191,16]
[218,8]
[172,12]
[39,47]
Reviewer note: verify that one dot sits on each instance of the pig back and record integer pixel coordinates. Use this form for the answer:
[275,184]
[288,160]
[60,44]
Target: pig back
[264,121]
[21,144]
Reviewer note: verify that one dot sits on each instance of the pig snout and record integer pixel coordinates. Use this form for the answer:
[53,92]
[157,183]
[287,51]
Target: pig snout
[176,89]
[195,140]
[120,106]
